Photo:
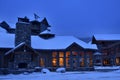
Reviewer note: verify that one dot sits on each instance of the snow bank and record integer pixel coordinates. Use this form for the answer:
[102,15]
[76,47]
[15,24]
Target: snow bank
[61,70]
[66,76]
[26,73]
[107,67]
[37,69]
[118,71]
[45,70]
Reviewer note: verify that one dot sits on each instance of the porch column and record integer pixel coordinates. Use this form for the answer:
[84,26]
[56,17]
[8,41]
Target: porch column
[57,58]
[38,60]
[112,57]
[85,59]
[78,59]
[71,61]
[64,58]
[115,53]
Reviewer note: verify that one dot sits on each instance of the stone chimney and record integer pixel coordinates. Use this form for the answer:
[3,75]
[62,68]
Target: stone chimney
[23,31]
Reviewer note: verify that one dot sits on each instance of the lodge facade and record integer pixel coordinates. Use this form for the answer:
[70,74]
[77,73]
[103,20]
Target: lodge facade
[32,45]
[109,49]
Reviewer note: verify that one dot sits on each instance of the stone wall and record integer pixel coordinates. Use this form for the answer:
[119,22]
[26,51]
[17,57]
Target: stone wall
[23,33]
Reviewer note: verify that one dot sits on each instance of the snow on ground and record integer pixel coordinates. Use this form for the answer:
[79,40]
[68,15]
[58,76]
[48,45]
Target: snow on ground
[114,75]
[107,67]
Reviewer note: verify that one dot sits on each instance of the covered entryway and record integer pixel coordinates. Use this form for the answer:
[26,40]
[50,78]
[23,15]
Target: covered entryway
[22,65]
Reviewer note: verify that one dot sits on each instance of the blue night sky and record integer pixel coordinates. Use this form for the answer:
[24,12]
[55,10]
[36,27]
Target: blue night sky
[67,17]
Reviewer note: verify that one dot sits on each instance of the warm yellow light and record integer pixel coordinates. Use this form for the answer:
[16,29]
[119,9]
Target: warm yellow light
[61,54]
[54,62]
[61,61]
[117,60]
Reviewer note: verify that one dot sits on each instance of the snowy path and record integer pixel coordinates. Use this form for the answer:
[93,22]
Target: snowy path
[65,76]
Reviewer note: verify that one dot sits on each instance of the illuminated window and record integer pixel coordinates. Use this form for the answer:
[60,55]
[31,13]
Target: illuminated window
[61,62]
[61,54]
[54,62]
[67,54]
[54,54]
[54,59]
[91,63]
[42,62]
[118,60]
[61,58]
[106,62]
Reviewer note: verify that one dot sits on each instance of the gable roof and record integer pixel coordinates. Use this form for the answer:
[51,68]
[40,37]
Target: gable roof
[57,42]
[15,48]
[74,46]
[2,30]
[18,46]
[44,21]
[107,37]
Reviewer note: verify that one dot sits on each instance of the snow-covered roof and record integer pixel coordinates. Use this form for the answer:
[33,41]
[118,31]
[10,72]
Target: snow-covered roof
[15,48]
[58,42]
[46,32]
[107,37]
[2,30]
[94,45]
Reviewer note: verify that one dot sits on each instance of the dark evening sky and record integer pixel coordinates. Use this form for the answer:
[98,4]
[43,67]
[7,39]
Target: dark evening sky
[67,17]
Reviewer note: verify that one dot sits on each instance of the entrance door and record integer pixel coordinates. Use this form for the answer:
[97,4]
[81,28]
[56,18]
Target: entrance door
[74,62]
[22,65]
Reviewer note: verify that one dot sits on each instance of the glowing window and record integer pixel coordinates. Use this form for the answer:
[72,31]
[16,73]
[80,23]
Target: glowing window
[91,63]
[42,62]
[106,62]
[61,61]
[54,62]
[67,54]
[118,60]
[61,54]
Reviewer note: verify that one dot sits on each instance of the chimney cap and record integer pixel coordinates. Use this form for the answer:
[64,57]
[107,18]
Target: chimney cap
[25,19]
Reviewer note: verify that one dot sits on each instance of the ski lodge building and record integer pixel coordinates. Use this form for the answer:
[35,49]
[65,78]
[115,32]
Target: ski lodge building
[32,45]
